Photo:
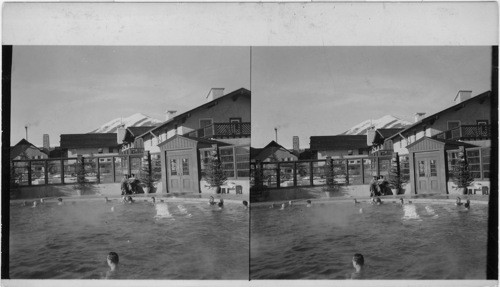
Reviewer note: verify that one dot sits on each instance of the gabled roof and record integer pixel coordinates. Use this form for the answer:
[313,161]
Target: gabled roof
[382,134]
[267,151]
[204,142]
[21,147]
[449,144]
[431,118]
[91,140]
[339,142]
[136,131]
[234,94]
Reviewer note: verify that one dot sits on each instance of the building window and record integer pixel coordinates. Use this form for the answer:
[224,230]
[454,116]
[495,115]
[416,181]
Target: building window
[227,160]
[242,161]
[205,122]
[453,124]
[236,161]
[474,162]
[485,162]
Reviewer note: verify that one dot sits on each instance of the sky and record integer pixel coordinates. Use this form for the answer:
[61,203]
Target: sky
[75,89]
[303,91]
[314,91]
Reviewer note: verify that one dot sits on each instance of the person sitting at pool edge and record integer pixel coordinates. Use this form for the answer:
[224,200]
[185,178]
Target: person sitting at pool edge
[60,202]
[358,261]
[112,260]
[245,203]
[124,185]
[221,203]
[309,203]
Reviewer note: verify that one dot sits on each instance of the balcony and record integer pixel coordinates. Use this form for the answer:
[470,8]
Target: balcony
[222,130]
[132,151]
[466,132]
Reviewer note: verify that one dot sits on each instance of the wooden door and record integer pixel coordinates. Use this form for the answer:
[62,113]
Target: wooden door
[426,173]
[181,172]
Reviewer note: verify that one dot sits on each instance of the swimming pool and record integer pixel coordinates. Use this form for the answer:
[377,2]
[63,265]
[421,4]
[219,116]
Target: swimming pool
[178,239]
[422,240]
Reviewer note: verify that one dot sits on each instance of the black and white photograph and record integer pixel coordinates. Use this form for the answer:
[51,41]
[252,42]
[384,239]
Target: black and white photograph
[129,162]
[250,144]
[378,167]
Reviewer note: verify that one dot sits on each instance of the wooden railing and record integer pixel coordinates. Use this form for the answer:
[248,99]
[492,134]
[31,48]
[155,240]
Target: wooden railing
[466,132]
[222,130]
[132,151]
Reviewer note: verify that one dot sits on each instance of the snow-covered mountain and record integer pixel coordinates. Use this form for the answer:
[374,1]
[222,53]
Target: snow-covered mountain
[135,120]
[385,122]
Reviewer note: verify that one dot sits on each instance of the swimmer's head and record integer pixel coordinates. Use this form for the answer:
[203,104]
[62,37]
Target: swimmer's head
[358,260]
[59,199]
[308,201]
[245,203]
[112,260]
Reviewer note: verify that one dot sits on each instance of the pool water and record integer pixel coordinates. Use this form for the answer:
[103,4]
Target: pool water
[417,241]
[175,240]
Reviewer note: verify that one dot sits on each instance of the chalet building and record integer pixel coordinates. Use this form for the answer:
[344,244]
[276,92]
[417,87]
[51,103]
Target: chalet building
[185,141]
[377,140]
[130,140]
[73,145]
[431,145]
[272,152]
[339,146]
[26,150]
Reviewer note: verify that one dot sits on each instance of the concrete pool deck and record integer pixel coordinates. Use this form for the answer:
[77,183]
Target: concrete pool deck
[361,193]
[167,197]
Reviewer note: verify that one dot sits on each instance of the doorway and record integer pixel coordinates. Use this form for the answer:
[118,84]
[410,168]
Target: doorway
[181,171]
[426,170]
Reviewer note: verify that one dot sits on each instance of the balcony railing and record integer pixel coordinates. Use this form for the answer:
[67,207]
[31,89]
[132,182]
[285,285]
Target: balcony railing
[132,151]
[222,130]
[466,132]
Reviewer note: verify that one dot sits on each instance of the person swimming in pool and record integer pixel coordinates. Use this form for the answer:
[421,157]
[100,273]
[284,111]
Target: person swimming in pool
[130,199]
[245,204]
[41,200]
[282,206]
[290,203]
[112,260]
[358,261]
[467,204]
[35,203]
[309,203]
[153,199]
[211,201]
[458,202]
[221,203]
[60,201]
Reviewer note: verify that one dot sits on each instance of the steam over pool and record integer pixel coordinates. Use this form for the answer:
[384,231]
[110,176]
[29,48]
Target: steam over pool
[166,241]
[411,241]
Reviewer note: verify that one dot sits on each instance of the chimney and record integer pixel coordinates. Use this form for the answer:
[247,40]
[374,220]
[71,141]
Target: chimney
[215,93]
[296,146]
[170,114]
[370,136]
[120,134]
[419,116]
[462,96]
[276,132]
[46,142]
